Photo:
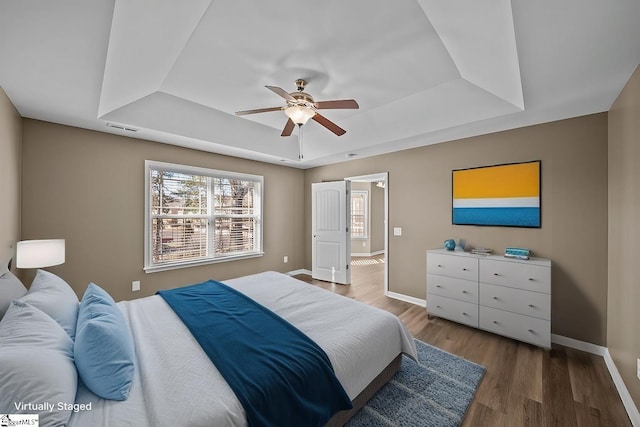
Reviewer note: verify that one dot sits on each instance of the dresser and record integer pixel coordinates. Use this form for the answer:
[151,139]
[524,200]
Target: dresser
[505,296]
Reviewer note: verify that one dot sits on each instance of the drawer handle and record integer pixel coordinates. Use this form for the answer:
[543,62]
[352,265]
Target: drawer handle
[464,314]
[464,292]
[531,279]
[438,286]
[531,305]
[496,298]
[495,274]
[531,330]
[438,306]
[440,265]
[464,269]
[495,321]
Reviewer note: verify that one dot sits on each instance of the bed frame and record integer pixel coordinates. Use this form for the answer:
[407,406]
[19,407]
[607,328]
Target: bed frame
[340,418]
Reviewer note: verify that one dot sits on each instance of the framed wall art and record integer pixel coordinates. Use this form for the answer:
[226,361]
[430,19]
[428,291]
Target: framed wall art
[506,195]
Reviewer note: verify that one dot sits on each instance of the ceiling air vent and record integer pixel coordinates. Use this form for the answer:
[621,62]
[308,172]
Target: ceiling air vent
[122,127]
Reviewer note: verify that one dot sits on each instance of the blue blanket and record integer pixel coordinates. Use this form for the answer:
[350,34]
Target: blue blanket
[281,377]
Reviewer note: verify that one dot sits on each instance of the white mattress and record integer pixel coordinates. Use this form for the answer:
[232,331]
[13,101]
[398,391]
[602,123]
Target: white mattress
[176,384]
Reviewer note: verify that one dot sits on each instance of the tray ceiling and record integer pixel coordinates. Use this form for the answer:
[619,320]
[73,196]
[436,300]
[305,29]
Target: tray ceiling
[423,71]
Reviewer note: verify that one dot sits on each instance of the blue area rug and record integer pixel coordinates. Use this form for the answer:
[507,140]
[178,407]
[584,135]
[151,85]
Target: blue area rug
[434,392]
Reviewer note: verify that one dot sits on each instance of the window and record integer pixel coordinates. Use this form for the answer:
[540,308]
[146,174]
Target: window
[198,216]
[359,217]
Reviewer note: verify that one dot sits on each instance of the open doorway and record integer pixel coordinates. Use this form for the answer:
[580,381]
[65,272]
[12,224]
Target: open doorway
[369,230]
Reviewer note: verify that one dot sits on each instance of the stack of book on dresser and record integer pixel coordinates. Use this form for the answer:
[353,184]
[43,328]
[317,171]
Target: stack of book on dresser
[518,253]
[481,251]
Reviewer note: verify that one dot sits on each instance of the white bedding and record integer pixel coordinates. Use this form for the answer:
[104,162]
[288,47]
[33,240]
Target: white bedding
[176,383]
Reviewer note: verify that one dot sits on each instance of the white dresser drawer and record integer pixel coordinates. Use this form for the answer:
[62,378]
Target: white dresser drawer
[452,287]
[518,301]
[462,267]
[523,328]
[452,309]
[532,277]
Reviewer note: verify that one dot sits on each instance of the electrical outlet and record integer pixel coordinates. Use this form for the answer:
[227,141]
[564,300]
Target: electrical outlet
[286,259]
[135,285]
[397,231]
[638,369]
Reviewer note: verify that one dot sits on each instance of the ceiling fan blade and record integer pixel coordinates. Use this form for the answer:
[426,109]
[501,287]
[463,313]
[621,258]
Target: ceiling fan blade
[259,110]
[342,103]
[288,128]
[329,124]
[283,93]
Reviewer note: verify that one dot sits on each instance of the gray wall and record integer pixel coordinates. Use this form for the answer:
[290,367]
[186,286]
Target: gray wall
[574,211]
[376,197]
[10,171]
[88,187]
[623,315]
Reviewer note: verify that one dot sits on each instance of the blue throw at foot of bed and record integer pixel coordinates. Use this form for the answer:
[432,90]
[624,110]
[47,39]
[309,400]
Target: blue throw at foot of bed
[281,377]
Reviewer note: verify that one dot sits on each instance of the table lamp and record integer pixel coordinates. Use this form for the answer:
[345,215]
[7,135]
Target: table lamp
[40,253]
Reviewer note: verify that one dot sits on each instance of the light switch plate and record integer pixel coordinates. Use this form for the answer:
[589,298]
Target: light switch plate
[638,369]
[135,285]
[397,231]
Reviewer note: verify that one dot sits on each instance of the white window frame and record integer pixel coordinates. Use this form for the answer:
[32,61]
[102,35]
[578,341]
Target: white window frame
[365,196]
[149,266]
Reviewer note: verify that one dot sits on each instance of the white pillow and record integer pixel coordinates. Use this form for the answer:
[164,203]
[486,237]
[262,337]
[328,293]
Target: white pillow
[55,297]
[36,363]
[10,288]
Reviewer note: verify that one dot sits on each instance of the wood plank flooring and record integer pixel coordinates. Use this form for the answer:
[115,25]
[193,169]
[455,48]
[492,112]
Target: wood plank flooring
[524,385]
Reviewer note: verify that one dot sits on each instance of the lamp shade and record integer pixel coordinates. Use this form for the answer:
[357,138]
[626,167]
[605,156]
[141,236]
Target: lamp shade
[40,253]
[299,114]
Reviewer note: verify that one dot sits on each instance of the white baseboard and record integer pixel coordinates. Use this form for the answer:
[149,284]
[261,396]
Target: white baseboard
[301,271]
[406,298]
[627,401]
[367,254]
[625,396]
[579,345]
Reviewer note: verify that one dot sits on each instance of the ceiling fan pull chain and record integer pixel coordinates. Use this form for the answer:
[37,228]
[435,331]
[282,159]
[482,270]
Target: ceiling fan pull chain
[300,156]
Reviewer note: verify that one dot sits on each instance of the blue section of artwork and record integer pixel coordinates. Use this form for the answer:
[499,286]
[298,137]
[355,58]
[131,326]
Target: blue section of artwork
[512,217]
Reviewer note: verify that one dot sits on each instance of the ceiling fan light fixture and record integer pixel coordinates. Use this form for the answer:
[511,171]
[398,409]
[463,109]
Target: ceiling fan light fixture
[299,114]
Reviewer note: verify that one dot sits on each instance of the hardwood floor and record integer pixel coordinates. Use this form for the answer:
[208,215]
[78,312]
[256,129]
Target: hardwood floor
[524,385]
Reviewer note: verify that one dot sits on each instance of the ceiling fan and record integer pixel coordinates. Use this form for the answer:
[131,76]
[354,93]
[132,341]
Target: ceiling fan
[301,107]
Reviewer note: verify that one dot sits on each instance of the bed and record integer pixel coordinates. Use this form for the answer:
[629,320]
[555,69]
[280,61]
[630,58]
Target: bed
[175,382]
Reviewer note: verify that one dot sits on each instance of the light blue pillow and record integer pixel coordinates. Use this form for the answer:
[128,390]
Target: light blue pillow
[55,297]
[103,348]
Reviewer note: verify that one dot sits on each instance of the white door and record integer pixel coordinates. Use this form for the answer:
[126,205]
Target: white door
[331,238]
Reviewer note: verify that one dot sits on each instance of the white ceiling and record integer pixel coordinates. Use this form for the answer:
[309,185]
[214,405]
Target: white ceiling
[423,71]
